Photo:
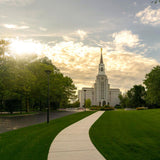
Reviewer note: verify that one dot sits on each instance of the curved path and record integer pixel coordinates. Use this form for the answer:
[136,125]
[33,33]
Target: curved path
[73,143]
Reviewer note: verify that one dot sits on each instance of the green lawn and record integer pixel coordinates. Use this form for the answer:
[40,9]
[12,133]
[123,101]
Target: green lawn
[128,135]
[32,143]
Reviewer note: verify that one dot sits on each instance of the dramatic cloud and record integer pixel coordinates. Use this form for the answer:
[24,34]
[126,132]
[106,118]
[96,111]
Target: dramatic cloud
[17,2]
[124,69]
[80,61]
[43,29]
[125,38]
[82,34]
[149,16]
[13,26]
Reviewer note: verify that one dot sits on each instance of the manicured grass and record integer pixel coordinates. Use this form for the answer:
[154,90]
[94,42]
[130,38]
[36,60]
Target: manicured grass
[32,143]
[128,135]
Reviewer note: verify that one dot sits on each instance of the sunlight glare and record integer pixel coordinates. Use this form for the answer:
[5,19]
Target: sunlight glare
[25,47]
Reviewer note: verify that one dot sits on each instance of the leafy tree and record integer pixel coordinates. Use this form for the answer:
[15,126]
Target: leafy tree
[3,47]
[75,104]
[152,83]
[6,79]
[23,79]
[136,96]
[156,1]
[88,103]
[124,100]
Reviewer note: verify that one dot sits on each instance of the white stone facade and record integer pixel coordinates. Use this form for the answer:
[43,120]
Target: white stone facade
[101,94]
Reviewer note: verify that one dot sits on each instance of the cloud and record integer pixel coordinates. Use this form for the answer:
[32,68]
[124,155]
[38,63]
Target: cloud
[124,69]
[3,16]
[82,34]
[149,16]
[68,38]
[13,26]
[125,38]
[80,61]
[17,2]
[43,29]
[74,36]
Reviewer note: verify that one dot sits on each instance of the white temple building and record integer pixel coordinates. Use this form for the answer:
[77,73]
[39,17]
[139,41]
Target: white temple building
[101,94]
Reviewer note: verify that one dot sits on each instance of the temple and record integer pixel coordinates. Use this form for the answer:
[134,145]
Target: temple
[101,94]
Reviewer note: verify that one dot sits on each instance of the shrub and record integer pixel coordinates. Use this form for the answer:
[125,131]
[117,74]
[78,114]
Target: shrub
[117,106]
[141,108]
[108,108]
[104,108]
[94,107]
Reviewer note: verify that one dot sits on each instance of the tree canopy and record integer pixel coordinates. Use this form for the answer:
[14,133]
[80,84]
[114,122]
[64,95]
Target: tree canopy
[156,1]
[87,103]
[24,81]
[135,97]
[152,83]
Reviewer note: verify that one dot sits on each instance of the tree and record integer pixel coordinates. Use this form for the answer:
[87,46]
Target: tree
[135,97]
[156,1]
[123,100]
[24,80]
[87,103]
[152,83]
[3,47]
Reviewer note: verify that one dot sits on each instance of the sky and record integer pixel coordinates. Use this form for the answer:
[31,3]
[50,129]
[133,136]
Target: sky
[71,33]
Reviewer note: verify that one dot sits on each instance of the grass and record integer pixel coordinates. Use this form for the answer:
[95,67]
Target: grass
[128,135]
[33,142]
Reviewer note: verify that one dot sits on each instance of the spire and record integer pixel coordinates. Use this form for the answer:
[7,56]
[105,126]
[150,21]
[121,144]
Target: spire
[101,61]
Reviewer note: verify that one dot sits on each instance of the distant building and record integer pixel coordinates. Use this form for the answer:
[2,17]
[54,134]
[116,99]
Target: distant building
[101,94]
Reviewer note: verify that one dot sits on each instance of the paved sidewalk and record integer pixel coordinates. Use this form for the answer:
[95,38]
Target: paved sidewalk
[73,143]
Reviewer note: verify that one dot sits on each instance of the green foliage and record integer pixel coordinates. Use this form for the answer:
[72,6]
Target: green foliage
[156,1]
[103,108]
[3,47]
[12,105]
[128,135]
[24,79]
[141,108]
[135,97]
[94,107]
[33,142]
[107,108]
[118,106]
[124,100]
[88,103]
[152,83]
[74,105]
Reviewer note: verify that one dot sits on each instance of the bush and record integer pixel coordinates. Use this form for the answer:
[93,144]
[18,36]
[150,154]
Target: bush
[117,106]
[107,108]
[104,108]
[94,107]
[141,108]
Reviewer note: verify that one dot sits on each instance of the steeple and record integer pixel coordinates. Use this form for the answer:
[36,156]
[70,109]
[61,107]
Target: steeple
[101,60]
[101,70]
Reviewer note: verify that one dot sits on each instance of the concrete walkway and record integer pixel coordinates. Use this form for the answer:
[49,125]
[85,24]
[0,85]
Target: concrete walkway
[73,143]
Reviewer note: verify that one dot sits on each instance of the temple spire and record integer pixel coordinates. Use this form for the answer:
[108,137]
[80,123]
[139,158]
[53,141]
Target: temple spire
[101,61]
